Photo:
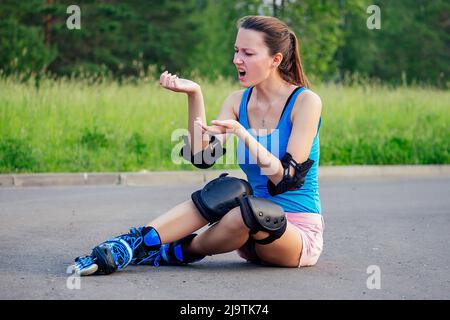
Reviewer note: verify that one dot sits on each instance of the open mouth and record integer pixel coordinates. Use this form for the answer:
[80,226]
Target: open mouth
[241,73]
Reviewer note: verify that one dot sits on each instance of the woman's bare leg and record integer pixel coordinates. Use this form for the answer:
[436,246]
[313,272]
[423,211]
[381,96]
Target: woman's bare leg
[178,222]
[229,234]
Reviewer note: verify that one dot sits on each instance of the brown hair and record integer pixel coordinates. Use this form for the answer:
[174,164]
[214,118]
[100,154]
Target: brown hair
[279,38]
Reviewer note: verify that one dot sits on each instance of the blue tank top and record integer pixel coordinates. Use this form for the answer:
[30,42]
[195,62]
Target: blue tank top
[305,199]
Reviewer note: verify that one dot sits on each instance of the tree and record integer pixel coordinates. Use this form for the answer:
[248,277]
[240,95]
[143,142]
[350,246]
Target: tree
[213,53]
[23,49]
[413,42]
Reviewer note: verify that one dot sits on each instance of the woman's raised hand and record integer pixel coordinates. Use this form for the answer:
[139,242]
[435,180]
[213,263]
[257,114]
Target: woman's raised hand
[172,82]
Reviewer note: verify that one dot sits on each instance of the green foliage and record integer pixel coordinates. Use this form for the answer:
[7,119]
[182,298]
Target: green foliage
[212,55]
[22,49]
[141,38]
[98,123]
[138,148]
[125,38]
[411,46]
[15,155]
[317,25]
[136,144]
[94,139]
[72,125]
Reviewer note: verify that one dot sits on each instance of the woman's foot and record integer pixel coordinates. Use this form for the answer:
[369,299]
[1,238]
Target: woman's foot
[117,253]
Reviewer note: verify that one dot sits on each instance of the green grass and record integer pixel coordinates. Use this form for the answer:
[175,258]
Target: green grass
[378,125]
[86,126]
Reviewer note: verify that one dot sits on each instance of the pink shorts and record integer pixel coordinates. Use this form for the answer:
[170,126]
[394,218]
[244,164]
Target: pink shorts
[311,227]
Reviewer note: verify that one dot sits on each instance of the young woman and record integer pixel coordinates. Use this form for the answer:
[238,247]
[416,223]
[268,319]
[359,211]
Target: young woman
[274,218]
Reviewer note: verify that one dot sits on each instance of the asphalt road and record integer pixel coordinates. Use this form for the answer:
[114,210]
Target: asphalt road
[399,225]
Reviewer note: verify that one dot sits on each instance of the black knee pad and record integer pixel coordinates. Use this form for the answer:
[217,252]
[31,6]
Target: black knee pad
[263,215]
[219,196]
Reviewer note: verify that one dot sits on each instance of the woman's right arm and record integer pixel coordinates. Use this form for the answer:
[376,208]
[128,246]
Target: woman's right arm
[196,105]
[197,115]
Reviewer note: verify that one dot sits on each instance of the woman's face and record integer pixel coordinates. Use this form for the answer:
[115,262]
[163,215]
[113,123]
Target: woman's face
[251,57]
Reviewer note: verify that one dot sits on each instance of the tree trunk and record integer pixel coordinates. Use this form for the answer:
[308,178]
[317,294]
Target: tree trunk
[48,25]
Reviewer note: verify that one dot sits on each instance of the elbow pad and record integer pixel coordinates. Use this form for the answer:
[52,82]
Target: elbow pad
[290,182]
[205,158]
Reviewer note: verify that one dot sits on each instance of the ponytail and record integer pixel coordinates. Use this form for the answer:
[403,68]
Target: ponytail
[291,68]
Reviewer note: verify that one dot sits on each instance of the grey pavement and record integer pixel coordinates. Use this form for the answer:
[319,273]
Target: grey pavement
[398,224]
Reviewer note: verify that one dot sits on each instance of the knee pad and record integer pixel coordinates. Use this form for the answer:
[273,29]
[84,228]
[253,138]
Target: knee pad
[219,196]
[263,215]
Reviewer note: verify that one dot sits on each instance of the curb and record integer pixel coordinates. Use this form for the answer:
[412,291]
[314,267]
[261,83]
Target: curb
[198,177]
[384,171]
